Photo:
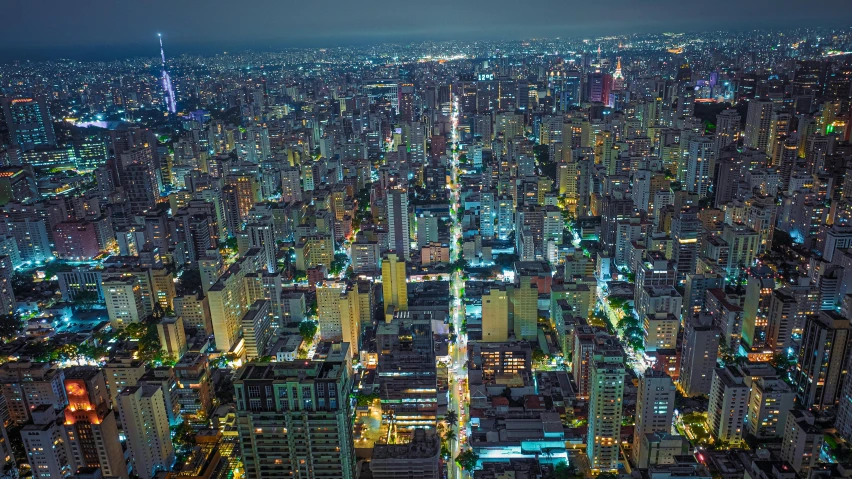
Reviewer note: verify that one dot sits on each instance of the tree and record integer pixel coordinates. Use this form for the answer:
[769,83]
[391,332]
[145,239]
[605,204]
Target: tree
[539,357]
[337,265]
[184,435]
[467,460]
[308,329]
[452,418]
[22,284]
[562,471]
[85,300]
[189,282]
[10,326]
[364,399]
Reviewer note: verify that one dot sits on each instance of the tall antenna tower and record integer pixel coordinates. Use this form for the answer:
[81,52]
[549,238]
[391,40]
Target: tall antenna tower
[169,90]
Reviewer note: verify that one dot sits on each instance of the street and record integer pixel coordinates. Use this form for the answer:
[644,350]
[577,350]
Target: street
[458,370]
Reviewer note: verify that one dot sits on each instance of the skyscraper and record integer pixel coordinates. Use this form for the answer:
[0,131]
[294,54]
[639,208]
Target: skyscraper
[45,447]
[28,121]
[728,407]
[339,313]
[145,423]
[398,231]
[294,418]
[123,296]
[495,315]
[700,349]
[524,304]
[727,129]
[654,407]
[770,401]
[686,228]
[699,169]
[90,426]
[758,123]
[605,410]
[820,371]
[394,285]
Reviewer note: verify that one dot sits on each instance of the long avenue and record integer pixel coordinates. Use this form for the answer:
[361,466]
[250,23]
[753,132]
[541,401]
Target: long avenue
[458,371]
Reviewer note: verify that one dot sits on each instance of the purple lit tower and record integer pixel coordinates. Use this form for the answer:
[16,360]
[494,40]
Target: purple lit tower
[167,82]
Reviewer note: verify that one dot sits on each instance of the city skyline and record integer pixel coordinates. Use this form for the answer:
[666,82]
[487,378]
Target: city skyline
[102,35]
[565,257]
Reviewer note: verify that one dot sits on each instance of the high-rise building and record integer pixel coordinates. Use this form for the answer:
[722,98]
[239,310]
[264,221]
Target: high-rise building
[758,123]
[194,386]
[700,349]
[802,443]
[261,236]
[28,121]
[686,228]
[338,309]
[727,130]
[294,418]
[742,247]
[397,214]
[123,296]
[427,229]
[603,440]
[654,408]
[122,373]
[844,409]
[700,166]
[780,319]
[172,336]
[227,300]
[487,214]
[524,307]
[406,370]
[770,401]
[406,102]
[495,315]
[140,185]
[394,285]
[760,287]
[145,423]
[728,407]
[45,447]
[257,329]
[25,386]
[90,425]
[820,369]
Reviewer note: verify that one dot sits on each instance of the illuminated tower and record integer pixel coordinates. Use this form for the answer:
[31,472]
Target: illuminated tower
[168,89]
[618,78]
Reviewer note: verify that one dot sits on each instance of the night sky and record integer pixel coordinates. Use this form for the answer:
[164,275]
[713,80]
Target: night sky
[123,27]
